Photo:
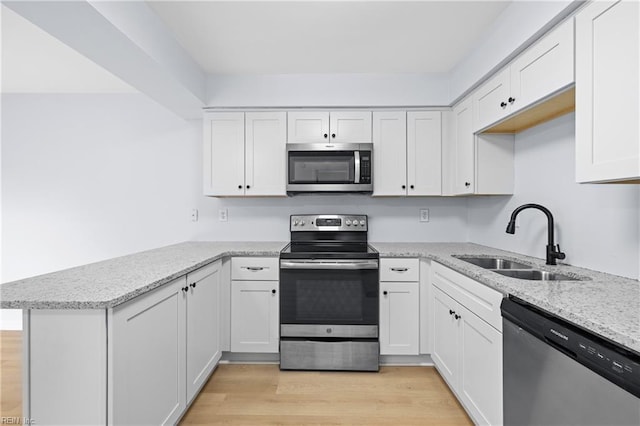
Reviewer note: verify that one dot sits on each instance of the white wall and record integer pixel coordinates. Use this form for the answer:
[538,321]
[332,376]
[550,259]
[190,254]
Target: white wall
[390,219]
[328,90]
[90,177]
[597,226]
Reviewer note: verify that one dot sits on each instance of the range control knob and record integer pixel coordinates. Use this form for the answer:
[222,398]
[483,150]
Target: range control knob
[295,223]
[348,222]
[302,223]
[361,222]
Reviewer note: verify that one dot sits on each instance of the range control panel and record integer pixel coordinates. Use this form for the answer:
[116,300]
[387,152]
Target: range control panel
[326,222]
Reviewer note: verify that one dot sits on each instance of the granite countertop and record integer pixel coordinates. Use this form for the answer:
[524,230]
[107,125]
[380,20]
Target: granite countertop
[605,304]
[111,282]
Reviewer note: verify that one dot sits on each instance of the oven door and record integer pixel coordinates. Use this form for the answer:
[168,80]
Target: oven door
[316,293]
[325,168]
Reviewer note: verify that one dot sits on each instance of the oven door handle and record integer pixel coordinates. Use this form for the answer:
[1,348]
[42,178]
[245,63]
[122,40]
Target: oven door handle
[329,264]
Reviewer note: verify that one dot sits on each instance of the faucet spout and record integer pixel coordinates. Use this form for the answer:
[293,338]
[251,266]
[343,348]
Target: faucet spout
[553,250]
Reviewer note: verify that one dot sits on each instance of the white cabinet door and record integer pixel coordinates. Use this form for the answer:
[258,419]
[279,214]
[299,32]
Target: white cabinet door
[542,69]
[265,148]
[203,326]
[308,126]
[350,126]
[608,92]
[254,316]
[424,153]
[390,153]
[223,159]
[490,101]
[148,357]
[446,350]
[480,368]
[399,318]
[462,155]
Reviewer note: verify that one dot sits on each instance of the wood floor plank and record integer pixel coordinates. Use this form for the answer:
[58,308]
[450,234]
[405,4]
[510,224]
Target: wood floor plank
[11,374]
[258,394]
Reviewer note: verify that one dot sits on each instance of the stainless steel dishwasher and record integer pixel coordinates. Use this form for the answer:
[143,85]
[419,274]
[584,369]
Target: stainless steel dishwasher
[558,374]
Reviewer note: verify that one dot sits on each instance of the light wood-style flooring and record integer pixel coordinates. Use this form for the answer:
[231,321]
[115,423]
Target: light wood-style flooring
[251,394]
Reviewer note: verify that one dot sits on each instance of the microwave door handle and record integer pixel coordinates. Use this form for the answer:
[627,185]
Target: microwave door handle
[356,178]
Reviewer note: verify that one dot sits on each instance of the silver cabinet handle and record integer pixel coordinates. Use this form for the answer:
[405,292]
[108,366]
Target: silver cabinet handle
[255,268]
[399,269]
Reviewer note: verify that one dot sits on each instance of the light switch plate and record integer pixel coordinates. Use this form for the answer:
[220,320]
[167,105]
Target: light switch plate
[194,215]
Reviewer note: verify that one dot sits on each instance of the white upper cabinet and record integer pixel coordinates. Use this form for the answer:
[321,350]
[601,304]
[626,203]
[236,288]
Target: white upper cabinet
[542,70]
[244,154]
[608,92]
[476,163]
[389,153]
[332,127]
[491,100]
[308,126]
[223,167]
[461,155]
[424,153]
[265,153]
[350,126]
[407,153]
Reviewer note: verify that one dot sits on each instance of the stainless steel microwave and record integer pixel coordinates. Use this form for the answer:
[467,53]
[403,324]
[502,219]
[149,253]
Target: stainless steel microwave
[322,167]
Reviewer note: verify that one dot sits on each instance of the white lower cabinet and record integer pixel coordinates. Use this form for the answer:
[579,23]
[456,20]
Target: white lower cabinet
[399,306]
[203,326]
[399,318]
[255,305]
[467,350]
[163,347]
[148,357]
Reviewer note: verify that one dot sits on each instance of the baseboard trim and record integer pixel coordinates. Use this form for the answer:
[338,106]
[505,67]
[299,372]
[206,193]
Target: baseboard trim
[406,360]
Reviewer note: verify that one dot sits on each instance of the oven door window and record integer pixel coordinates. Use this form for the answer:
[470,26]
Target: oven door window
[308,167]
[329,297]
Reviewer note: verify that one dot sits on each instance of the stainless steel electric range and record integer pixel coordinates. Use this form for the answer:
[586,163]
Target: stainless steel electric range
[329,295]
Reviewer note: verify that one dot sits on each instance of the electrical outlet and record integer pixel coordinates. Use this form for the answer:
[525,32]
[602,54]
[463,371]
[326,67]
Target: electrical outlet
[424,215]
[223,215]
[194,215]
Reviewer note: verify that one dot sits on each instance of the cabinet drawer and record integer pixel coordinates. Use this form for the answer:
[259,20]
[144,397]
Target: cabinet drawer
[476,297]
[399,269]
[254,268]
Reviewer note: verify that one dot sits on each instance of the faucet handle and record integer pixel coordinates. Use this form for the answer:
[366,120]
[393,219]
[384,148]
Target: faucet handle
[557,253]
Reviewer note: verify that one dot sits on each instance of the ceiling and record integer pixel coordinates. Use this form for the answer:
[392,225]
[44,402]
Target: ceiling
[285,37]
[35,62]
[266,37]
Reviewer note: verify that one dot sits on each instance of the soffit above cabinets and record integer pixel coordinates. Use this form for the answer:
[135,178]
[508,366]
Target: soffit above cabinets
[280,37]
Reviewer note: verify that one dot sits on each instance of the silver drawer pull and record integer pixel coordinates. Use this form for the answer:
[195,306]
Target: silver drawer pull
[255,268]
[399,269]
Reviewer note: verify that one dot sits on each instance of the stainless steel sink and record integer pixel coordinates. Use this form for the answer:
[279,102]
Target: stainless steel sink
[494,263]
[535,275]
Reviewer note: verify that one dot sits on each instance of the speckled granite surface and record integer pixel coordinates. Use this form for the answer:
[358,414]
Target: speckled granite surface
[606,304]
[111,282]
